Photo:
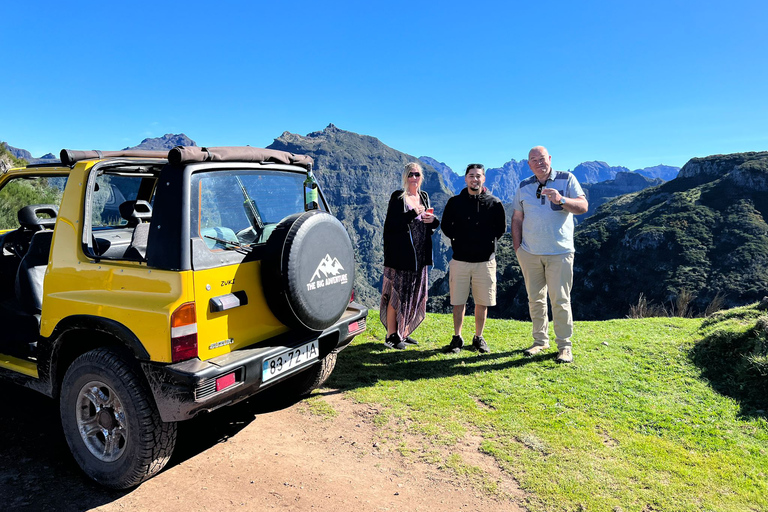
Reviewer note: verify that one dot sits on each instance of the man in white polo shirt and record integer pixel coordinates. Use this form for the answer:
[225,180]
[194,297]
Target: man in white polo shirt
[542,236]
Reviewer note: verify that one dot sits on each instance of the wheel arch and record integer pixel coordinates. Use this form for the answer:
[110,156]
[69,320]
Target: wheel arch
[76,335]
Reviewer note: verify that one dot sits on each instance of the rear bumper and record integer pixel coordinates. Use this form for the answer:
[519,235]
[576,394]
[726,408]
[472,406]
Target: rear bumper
[183,390]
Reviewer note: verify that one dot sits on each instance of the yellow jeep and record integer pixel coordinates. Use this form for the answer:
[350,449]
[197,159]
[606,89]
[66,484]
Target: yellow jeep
[140,288]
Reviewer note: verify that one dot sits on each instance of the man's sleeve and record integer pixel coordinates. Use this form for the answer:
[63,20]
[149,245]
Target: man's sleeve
[574,188]
[517,202]
[500,220]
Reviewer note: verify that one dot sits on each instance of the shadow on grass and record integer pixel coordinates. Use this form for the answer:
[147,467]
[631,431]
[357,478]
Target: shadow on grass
[365,364]
[734,363]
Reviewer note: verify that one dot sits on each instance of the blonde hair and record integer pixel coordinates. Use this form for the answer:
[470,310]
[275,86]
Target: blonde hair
[410,167]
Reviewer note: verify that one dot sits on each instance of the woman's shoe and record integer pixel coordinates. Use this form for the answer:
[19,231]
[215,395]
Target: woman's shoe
[394,341]
[410,341]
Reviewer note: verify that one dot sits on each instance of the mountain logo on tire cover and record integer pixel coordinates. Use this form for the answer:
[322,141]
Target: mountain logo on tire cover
[330,269]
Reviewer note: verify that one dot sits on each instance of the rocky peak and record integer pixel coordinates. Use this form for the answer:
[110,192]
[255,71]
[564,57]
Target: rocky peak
[167,141]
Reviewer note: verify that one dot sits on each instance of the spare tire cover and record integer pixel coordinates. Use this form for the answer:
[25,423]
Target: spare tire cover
[308,270]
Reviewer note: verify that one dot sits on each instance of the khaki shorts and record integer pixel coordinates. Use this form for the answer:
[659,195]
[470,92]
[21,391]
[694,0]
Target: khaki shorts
[481,276]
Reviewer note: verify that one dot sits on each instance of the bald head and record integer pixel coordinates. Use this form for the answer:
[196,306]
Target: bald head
[540,162]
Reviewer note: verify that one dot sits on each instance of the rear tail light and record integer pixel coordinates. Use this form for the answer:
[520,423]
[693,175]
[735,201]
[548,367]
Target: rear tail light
[225,381]
[356,327]
[184,333]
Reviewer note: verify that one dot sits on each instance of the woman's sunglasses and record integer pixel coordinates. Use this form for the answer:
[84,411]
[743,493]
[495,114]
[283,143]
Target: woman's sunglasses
[414,175]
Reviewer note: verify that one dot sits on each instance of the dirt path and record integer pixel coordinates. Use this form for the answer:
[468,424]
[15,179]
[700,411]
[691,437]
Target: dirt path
[246,457]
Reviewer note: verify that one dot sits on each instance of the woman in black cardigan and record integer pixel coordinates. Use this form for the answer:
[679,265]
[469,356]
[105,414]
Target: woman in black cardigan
[408,232]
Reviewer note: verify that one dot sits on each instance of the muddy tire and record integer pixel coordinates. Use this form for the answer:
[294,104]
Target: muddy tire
[307,381]
[110,421]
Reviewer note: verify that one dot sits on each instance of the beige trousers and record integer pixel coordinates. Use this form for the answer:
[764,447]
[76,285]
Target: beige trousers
[553,274]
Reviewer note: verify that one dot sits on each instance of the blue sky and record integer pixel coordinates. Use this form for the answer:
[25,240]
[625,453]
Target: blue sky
[629,83]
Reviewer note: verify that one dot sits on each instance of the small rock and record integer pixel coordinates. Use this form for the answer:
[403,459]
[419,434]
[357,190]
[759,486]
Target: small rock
[605,343]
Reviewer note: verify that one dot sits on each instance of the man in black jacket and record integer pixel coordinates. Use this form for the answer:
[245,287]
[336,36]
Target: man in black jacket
[473,220]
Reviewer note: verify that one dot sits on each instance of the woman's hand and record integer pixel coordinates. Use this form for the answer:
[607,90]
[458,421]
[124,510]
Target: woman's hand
[427,217]
[419,209]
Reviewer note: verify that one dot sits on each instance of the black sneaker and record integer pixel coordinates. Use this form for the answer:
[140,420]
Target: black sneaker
[455,347]
[410,341]
[479,343]
[394,341]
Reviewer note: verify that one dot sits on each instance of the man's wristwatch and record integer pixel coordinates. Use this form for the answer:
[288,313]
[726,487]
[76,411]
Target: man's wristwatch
[562,200]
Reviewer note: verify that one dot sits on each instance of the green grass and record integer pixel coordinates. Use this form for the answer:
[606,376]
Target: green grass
[632,423]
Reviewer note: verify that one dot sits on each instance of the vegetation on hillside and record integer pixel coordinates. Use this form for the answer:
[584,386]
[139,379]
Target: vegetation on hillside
[703,235]
[7,155]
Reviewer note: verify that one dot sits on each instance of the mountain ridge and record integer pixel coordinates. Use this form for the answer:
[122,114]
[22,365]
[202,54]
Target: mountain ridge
[701,234]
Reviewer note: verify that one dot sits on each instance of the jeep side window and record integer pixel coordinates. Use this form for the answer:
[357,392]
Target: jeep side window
[109,193]
[21,192]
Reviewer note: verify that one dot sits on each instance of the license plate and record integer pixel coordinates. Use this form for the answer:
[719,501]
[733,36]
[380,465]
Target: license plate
[289,360]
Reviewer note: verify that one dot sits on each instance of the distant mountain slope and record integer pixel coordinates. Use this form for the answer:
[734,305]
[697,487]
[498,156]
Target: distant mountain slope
[594,172]
[702,234]
[452,180]
[167,141]
[8,159]
[503,181]
[624,183]
[23,154]
[665,172]
[357,174]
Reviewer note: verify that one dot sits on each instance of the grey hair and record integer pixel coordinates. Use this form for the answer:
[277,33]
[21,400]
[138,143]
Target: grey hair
[409,167]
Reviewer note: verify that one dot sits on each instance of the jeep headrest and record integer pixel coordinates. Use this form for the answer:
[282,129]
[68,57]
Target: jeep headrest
[136,212]
[29,216]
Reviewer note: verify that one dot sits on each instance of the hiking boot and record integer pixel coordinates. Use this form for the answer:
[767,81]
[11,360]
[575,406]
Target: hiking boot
[534,349]
[394,341]
[479,343]
[410,341]
[564,355]
[457,342]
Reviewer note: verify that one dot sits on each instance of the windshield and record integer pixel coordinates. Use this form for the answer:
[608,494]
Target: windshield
[242,207]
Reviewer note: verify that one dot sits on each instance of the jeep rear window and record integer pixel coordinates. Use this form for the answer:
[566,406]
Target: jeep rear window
[242,206]
[21,192]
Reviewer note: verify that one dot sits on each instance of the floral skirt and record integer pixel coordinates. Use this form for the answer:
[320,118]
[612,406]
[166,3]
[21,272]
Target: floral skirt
[406,292]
